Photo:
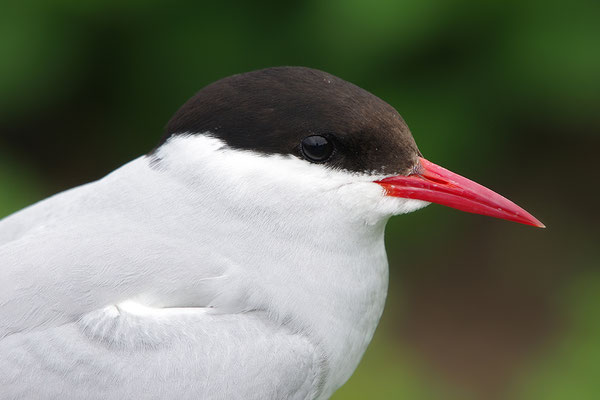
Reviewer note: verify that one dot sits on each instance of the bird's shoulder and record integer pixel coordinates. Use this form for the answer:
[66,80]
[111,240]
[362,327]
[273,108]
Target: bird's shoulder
[45,213]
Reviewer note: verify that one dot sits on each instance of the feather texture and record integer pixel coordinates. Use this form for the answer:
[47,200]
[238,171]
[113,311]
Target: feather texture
[239,290]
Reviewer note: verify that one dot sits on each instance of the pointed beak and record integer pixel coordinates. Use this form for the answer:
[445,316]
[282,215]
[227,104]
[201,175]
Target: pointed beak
[432,183]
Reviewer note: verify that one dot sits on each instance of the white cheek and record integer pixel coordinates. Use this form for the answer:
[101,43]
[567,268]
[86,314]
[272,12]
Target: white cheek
[360,196]
[370,201]
[278,182]
[404,206]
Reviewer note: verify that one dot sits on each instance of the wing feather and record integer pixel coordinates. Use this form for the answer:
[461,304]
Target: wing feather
[115,355]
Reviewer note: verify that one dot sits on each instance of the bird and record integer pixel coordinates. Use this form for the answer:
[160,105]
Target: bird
[242,257]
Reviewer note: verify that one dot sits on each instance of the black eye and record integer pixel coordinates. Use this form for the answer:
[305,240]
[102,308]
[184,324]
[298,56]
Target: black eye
[317,148]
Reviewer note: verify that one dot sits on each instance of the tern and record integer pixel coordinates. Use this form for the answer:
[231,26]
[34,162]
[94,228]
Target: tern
[242,258]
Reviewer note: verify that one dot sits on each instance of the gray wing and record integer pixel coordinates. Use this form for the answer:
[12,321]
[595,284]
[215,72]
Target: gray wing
[111,354]
[55,275]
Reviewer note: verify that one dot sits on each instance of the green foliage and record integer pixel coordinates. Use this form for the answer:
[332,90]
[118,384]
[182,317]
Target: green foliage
[504,92]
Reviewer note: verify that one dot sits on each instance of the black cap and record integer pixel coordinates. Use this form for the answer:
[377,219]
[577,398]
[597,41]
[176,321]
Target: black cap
[272,110]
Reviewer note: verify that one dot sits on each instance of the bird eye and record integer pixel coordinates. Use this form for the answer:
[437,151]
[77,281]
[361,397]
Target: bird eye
[317,148]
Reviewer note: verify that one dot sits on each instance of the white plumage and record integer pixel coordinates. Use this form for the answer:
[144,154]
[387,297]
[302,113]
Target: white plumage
[197,272]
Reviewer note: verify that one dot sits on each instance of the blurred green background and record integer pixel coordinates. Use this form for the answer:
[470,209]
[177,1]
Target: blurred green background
[504,92]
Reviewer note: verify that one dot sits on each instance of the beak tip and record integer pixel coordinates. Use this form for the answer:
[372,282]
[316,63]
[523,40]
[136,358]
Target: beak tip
[536,223]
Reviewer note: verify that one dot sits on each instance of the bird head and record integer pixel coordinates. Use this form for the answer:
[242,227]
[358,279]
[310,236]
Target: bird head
[284,133]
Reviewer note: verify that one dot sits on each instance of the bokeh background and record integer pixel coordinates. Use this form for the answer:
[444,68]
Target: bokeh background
[504,92]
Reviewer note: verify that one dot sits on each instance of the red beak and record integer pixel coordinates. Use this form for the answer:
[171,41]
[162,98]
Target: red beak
[435,184]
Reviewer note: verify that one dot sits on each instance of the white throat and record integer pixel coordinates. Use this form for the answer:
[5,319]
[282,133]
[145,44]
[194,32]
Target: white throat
[303,243]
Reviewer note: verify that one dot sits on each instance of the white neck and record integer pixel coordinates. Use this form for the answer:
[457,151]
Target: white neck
[306,243]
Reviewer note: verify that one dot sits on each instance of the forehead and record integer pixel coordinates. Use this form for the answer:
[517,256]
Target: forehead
[270,111]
